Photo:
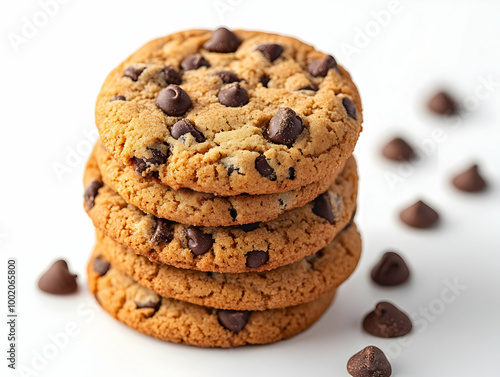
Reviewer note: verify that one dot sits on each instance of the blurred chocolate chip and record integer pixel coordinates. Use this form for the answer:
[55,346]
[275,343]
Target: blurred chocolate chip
[256,258]
[470,180]
[233,320]
[320,67]
[163,231]
[101,266]
[264,80]
[233,96]
[271,51]
[291,174]
[249,227]
[227,77]
[309,87]
[398,150]
[172,76]
[159,158]
[323,207]
[173,100]
[58,280]
[185,126]
[443,103]
[264,168]
[91,192]
[140,166]
[387,321]
[391,270]
[149,304]
[285,126]
[117,98]
[197,241]
[350,108]
[133,72]
[222,40]
[369,362]
[194,61]
[419,215]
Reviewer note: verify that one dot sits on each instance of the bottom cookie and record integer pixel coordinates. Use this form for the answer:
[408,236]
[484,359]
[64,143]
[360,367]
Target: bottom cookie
[182,322]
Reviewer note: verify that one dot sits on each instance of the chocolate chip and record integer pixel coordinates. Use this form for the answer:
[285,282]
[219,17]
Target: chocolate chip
[133,72]
[149,304]
[233,213]
[91,192]
[159,158]
[369,362]
[172,76]
[222,40]
[58,280]
[117,98]
[419,215]
[185,126]
[140,167]
[470,180]
[264,80]
[323,207]
[271,51]
[227,77]
[231,170]
[194,61]
[391,270]
[173,100]
[320,67]
[233,96]
[264,168]
[101,266]
[350,108]
[387,321]
[291,174]
[256,258]
[442,103]
[309,87]
[163,231]
[249,227]
[285,126]
[398,150]
[197,241]
[233,320]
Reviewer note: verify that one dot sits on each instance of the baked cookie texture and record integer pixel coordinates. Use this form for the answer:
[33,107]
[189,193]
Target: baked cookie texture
[237,134]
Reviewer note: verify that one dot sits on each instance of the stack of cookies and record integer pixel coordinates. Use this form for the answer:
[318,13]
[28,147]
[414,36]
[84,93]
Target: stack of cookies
[223,188]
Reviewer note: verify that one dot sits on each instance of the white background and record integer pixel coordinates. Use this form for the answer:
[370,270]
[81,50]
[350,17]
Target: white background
[48,89]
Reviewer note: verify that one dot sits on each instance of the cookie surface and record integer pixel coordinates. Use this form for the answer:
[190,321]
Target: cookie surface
[292,236]
[255,121]
[195,208]
[182,322]
[291,285]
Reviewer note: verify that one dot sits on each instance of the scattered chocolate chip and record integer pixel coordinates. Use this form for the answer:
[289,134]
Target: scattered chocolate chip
[264,168]
[387,321]
[256,258]
[233,96]
[249,227]
[194,61]
[470,180]
[369,362]
[101,266]
[58,280]
[91,192]
[133,72]
[222,40]
[323,207]
[233,213]
[172,76]
[117,98]
[173,100]
[350,108]
[163,231]
[185,126]
[398,150]
[320,67]
[197,241]
[285,126]
[391,270]
[419,215]
[233,320]
[264,80]
[271,51]
[159,158]
[227,77]
[291,174]
[442,103]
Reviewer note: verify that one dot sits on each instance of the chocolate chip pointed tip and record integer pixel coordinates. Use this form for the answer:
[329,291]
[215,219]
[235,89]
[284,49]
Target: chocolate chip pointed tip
[185,126]
[270,51]
[173,100]
[233,96]
[193,62]
[387,321]
[233,320]
[398,150]
[58,279]
[369,362]
[320,67]
[419,215]
[443,103]
[133,73]
[470,180]
[391,270]
[222,40]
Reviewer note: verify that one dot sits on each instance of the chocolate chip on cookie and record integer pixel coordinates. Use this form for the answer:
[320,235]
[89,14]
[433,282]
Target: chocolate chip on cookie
[285,126]
[222,40]
[419,215]
[369,362]
[398,150]
[147,299]
[101,266]
[391,270]
[133,72]
[163,231]
[387,321]
[185,126]
[320,67]
[233,320]
[349,107]
[256,258]
[291,173]
[249,227]
[233,96]
[158,158]
[227,77]
[117,98]
[197,241]
[172,76]
[443,103]
[470,180]
[323,207]
[271,51]
[173,100]
[194,61]
[264,80]
[58,280]
[264,168]
[91,192]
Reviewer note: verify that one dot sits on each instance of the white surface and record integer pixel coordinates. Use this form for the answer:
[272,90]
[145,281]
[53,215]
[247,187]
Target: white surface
[48,93]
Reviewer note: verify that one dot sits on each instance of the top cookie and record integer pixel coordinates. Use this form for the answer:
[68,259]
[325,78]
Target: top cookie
[230,113]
